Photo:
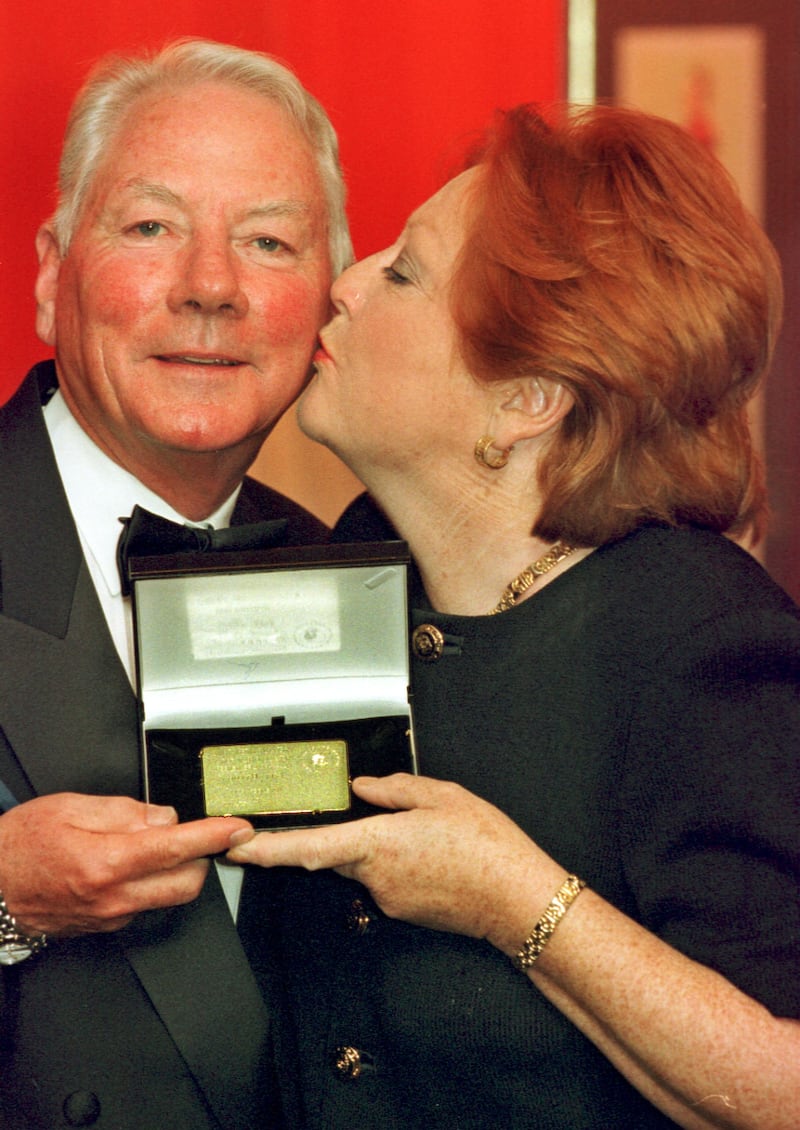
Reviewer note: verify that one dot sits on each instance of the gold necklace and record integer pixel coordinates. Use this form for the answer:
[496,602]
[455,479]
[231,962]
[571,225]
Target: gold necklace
[514,590]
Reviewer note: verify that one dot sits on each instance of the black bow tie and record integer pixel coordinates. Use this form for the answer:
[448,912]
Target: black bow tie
[145,535]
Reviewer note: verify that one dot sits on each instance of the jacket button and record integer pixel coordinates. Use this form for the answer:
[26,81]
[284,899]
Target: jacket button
[359,918]
[428,643]
[347,1062]
[81,1108]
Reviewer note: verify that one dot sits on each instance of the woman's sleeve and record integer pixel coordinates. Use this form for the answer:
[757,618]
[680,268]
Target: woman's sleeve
[709,815]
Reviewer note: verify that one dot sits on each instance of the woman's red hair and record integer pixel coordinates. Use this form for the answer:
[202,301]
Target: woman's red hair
[609,251]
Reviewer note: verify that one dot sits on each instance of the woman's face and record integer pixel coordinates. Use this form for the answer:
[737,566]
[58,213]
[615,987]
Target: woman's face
[390,389]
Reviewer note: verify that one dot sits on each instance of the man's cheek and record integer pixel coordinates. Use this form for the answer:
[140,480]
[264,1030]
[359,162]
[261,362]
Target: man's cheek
[294,314]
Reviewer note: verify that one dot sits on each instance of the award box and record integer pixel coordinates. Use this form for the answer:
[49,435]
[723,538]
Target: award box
[268,680]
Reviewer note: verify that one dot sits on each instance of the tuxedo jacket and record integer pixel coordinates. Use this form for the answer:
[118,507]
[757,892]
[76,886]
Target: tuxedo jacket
[159,1025]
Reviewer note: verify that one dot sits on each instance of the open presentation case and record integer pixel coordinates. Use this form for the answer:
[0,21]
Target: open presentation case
[268,680]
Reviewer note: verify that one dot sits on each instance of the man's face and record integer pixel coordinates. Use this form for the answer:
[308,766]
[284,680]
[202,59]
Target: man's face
[186,310]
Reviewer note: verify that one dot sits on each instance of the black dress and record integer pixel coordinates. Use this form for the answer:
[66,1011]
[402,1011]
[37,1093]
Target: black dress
[639,718]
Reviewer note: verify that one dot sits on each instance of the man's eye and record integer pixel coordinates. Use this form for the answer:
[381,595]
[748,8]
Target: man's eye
[392,275]
[149,228]
[267,243]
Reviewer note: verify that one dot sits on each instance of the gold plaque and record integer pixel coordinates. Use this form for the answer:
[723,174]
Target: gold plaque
[273,777]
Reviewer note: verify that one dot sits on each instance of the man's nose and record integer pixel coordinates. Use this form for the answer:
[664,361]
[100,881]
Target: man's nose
[208,279]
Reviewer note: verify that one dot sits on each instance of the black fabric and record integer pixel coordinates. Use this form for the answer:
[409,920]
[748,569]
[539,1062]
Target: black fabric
[639,719]
[363,520]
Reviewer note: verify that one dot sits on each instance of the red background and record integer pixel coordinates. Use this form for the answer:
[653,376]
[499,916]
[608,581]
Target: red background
[404,83]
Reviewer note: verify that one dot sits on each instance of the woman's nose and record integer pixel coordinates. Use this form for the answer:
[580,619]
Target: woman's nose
[347,292]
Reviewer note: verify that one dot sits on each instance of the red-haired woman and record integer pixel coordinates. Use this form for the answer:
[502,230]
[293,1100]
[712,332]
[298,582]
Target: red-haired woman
[585,914]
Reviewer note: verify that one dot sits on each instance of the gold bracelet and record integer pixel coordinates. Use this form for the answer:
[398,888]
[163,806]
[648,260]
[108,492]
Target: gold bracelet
[542,931]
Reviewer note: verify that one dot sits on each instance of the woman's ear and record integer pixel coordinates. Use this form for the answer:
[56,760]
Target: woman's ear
[530,407]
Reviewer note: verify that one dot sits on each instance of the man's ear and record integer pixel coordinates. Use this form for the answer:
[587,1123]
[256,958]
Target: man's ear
[531,407]
[46,287]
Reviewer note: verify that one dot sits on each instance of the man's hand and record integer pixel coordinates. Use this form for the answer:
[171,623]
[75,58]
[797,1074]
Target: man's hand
[73,864]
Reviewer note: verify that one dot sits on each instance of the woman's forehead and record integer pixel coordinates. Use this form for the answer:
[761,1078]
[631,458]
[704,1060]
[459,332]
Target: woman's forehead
[439,223]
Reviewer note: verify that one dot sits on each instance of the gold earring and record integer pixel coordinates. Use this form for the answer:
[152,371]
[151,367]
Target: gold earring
[494,460]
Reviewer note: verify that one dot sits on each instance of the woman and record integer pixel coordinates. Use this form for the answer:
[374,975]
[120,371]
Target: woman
[608,737]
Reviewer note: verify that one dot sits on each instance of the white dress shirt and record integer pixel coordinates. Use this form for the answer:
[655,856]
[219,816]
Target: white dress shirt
[99,493]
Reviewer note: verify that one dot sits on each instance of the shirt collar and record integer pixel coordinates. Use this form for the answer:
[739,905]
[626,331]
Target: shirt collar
[100,492]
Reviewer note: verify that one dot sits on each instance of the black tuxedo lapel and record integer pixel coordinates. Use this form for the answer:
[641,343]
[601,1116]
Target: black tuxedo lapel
[207,996]
[56,654]
[40,550]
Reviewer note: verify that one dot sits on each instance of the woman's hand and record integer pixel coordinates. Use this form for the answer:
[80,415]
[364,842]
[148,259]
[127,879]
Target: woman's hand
[443,858]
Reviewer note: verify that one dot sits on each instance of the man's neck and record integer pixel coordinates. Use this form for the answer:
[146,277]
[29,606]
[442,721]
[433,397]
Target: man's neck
[195,485]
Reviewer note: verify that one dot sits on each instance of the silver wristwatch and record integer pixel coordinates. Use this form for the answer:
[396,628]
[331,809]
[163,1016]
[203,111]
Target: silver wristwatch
[14,945]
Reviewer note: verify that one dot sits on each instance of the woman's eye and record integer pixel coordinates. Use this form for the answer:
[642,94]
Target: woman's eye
[392,275]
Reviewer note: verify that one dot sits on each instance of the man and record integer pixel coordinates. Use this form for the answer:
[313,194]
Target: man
[182,283]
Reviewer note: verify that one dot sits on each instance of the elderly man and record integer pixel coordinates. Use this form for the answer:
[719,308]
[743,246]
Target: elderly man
[182,282]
